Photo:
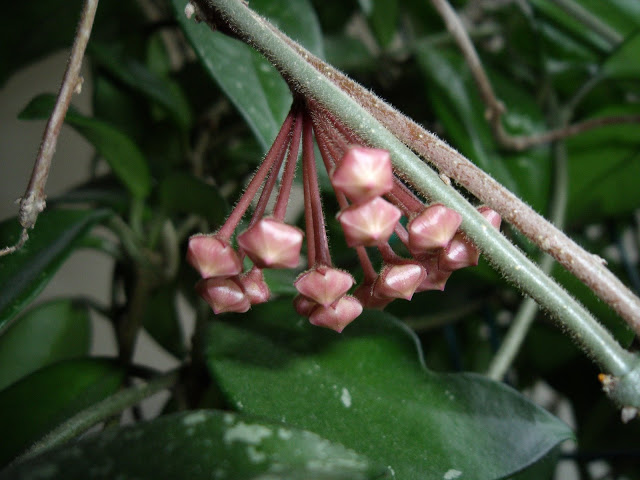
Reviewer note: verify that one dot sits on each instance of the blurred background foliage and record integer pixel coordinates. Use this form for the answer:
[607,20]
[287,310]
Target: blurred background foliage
[181,118]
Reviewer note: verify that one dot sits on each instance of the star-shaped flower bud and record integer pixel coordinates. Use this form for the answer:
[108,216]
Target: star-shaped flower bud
[432,229]
[364,173]
[365,294]
[399,281]
[460,253]
[271,243]
[254,286]
[303,305]
[338,315]
[436,278]
[494,217]
[213,257]
[324,284]
[223,295]
[370,223]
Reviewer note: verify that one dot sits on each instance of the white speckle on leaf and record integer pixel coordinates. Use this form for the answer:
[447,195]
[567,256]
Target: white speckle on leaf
[391,471]
[254,455]
[194,418]
[451,474]
[345,398]
[284,434]
[189,10]
[242,432]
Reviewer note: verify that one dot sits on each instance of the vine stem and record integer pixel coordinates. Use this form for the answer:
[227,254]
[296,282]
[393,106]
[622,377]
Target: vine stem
[358,109]
[100,412]
[33,202]
[589,268]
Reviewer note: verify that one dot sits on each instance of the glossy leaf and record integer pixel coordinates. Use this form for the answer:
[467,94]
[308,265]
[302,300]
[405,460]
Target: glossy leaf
[250,82]
[603,163]
[623,63]
[33,406]
[121,153]
[369,390]
[24,274]
[462,112]
[138,77]
[54,331]
[201,445]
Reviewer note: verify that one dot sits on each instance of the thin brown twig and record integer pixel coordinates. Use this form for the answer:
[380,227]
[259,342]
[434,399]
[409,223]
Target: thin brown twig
[587,267]
[33,202]
[495,108]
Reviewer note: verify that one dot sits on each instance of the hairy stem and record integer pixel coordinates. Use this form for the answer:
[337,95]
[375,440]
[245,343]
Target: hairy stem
[100,412]
[33,202]
[358,109]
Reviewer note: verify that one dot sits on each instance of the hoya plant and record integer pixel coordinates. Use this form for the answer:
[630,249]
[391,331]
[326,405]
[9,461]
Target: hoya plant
[388,226]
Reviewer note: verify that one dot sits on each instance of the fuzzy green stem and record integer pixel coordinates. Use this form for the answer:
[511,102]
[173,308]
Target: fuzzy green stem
[100,412]
[596,340]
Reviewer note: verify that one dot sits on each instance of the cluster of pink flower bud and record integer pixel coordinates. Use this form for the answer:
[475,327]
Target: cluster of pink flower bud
[372,202]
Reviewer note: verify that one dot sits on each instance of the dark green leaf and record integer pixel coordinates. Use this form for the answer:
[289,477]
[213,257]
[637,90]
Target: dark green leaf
[182,193]
[604,166]
[33,406]
[161,320]
[138,77]
[201,445]
[250,82]
[623,63]
[383,17]
[462,112]
[369,390]
[122,154]
[54,331]
[56,20]
[24,273]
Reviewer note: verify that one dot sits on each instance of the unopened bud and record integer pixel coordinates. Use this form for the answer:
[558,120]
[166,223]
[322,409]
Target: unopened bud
[213,257]
[492,216]
[364,173]
[254,286]
[271,243]
[303,305]
[432,229]
[223,295]
[370,223]
[399,281]
[365,294]
[324,284]
[460,253]
[338,315]
[436,278]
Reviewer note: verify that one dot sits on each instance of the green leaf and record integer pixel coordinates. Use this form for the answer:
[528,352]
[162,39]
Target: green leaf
[24,273]
[33,406]
[604,165]
[182,193]
[200,445]
[162,322]
[369,390]
[121,153]
[51,332]
[250,82]
[623,63]
[460,109]
[383,18]
[140,78]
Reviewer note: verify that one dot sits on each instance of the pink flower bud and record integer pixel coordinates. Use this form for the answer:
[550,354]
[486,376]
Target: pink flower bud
[338,315]
[323,284]
[254,286]
[363,173]
[370,223]
[303,305]
[365,294]
[432,229]
[494,217]
[436,278]
[460,253]
[399,281]
[213,257]
[223,295]
[271,243]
